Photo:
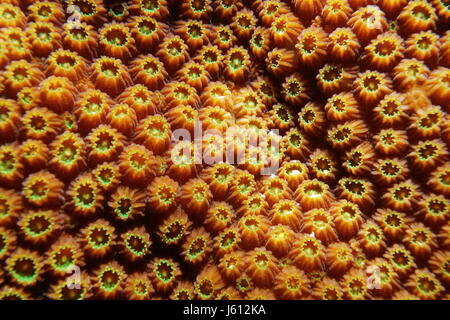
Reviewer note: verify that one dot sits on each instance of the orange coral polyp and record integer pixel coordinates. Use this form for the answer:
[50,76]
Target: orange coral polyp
[136,164]
[261,267]
[311,47]
[313,194]
[147,32]
[320,223]
[20,74]
[110,75]
[343,46]
[82,39]
[116,41]
[416,16]
[347,218]
[43,188]
[286,212]
[149,71]
[195,197]
[44,38]
[292,284]
[308,253]
[385,51]
[163,194]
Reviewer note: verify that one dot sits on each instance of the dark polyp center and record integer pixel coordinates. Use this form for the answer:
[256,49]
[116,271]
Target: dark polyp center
[64,257]
[310,248]
[400,258]
[313,189]
[244,22]
[136,243]
[43,33]
[25,267]
[116,36]
[227,239]
[421,12]
[223,214]
[45,11]
[174,230]
[110,278]
[393,220]
[355,159]
[293,283]
[118,9]
[371,83]
[2,242]
[437,206]
[227,3]
[261,260]
[342,39]
[420,236]
[206,288]
[293,87]
[224,35]
[87,7]
[424,42]
[331,294]
[332,73]
[138,160]
[124,206]
[342,134]
[272,8]
[146,26]
[165,193]
[78,33]
[309,43]
[308,116]
[323,164]
[348,212]
[86,195]
[385,48]
[390,168]
[388,138]
[391,108]
[99,236]
[402,193]
[429,121]
[198,5]
[150,5]
[427,151]
[236,60]
[104,141]
[195,30]
[20,73]
[426,284]
[38,189]
[65,61]
[283,114]
[197,246]
[164,271]
[110,69]
[355,187]
[38,224]
[38,123]
[71,294]
[210,56]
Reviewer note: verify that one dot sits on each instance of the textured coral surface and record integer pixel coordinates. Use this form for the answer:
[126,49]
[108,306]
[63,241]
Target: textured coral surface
[347,196]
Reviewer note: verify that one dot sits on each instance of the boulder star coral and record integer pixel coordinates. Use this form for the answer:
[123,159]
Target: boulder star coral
[226,149]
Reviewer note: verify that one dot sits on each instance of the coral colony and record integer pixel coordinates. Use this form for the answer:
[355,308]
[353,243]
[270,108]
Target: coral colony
[226,149]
